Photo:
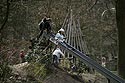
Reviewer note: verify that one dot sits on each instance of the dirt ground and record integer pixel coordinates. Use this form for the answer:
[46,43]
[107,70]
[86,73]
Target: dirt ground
[60,76]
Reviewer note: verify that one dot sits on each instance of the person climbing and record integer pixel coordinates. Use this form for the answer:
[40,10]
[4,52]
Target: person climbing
[56,55]
[22,56]
[45,24]
[60,35]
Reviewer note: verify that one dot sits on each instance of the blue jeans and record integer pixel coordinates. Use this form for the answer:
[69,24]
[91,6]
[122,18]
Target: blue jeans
[55,60]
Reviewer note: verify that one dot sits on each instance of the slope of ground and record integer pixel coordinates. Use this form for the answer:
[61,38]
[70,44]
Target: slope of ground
[57,76]
[60,76]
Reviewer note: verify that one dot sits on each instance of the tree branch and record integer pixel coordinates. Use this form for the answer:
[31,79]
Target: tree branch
[93,5]
[6,18]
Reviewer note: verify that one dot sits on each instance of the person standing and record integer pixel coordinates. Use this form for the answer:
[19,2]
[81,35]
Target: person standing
[103,62]
[22,56]
[45,24]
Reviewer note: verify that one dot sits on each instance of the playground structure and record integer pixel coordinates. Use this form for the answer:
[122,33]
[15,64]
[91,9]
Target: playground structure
[76,46]
[74,37]
[75,49]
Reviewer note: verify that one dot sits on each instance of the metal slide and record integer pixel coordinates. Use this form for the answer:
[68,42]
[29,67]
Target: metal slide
[91,63]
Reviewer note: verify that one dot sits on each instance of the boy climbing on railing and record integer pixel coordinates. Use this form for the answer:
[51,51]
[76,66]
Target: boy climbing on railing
[56,55]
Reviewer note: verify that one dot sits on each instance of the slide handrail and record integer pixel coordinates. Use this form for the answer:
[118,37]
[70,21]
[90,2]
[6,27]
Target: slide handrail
[87,60]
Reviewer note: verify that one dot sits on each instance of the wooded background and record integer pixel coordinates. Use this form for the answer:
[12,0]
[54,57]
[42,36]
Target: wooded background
[19,23]
[97,19]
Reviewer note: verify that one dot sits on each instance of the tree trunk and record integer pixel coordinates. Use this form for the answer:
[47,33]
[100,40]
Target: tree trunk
[120,16]
[7,15]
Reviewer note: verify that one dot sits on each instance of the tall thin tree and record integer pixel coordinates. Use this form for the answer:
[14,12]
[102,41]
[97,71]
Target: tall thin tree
[120,16]
[7,15]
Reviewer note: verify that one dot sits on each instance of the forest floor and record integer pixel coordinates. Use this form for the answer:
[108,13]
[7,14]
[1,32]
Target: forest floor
[57,76]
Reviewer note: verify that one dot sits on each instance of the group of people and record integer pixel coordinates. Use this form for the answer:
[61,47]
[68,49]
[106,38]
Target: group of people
[45,25]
